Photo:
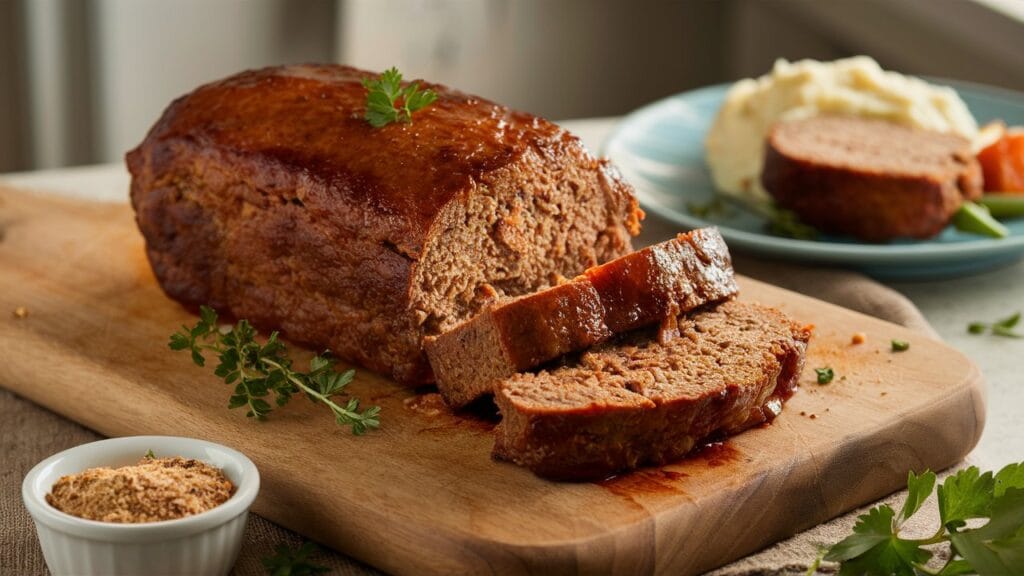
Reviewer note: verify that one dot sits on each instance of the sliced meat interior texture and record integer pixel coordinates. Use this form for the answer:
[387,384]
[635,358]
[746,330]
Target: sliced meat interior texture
[647,287]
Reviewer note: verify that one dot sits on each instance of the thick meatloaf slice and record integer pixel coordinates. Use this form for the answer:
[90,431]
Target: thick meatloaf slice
[871,179]
[636,401]
[267,195]
[636,290]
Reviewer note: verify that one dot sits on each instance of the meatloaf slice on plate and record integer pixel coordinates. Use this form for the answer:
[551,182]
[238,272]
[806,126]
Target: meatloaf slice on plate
[267,195]
[871,179]
[638,401]
[639,289]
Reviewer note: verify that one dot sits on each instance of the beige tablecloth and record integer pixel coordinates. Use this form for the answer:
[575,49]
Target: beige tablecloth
[29,433]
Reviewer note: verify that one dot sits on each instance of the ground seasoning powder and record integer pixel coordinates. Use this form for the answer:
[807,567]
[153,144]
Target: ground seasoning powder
[154,489]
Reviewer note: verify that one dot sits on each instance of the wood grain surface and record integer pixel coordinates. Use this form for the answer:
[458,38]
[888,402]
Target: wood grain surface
[422,495]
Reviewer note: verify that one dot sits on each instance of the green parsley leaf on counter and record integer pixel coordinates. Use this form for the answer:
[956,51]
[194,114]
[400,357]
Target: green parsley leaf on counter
[258,371]
[288,562]
[1004,327]
[387,101]
[995,547]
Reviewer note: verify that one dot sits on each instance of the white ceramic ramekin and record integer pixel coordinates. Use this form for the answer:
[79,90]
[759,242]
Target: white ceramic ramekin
[206,543]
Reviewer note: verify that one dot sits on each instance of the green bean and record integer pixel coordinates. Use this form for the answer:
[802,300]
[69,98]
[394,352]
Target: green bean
[976,219]
[1004,205]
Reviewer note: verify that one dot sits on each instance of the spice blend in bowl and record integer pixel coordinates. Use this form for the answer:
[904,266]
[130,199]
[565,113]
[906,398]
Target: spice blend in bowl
[154,489]
[99,510]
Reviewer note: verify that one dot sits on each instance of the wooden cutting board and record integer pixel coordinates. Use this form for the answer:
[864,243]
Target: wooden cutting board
[422,495]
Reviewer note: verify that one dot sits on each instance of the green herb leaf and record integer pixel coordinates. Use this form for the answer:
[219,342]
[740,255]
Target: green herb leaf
[919,488]
[149,454]
[965,495]
[1009,322]
[995,548]
[874,548]
[977,327]
[1005,332]
[387,101]
[900,345]
[956,567]
[258,371]
[1004,327]
[288,562]
[825,375]
[1011,476]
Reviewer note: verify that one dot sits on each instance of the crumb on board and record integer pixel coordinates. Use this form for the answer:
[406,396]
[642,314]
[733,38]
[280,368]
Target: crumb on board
[430,404]
[21,312]
[858,338]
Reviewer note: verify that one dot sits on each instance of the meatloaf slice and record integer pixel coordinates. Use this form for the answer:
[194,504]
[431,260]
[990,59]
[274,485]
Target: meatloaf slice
[636,290]
[636,401]
[268,196]
[871,179]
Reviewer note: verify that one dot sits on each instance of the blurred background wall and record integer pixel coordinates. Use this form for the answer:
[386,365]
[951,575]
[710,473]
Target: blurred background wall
[82,80]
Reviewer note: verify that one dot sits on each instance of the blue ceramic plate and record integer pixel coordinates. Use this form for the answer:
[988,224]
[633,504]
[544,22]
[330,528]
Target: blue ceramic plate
[660,150]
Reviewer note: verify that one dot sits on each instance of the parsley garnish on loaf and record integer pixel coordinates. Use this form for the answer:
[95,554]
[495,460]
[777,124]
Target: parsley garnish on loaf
[387,101]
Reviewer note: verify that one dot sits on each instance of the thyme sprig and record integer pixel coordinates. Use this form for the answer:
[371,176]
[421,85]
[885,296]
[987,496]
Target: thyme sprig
[259,370]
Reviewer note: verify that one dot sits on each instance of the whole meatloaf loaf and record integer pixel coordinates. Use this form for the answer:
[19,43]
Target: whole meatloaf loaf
[267,195]
[638,401]
[649,286]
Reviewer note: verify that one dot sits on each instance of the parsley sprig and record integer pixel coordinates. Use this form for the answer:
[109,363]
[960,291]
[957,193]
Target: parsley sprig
[288,562]
[994,548]
[387,101]
[257,370]
[1004,327]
